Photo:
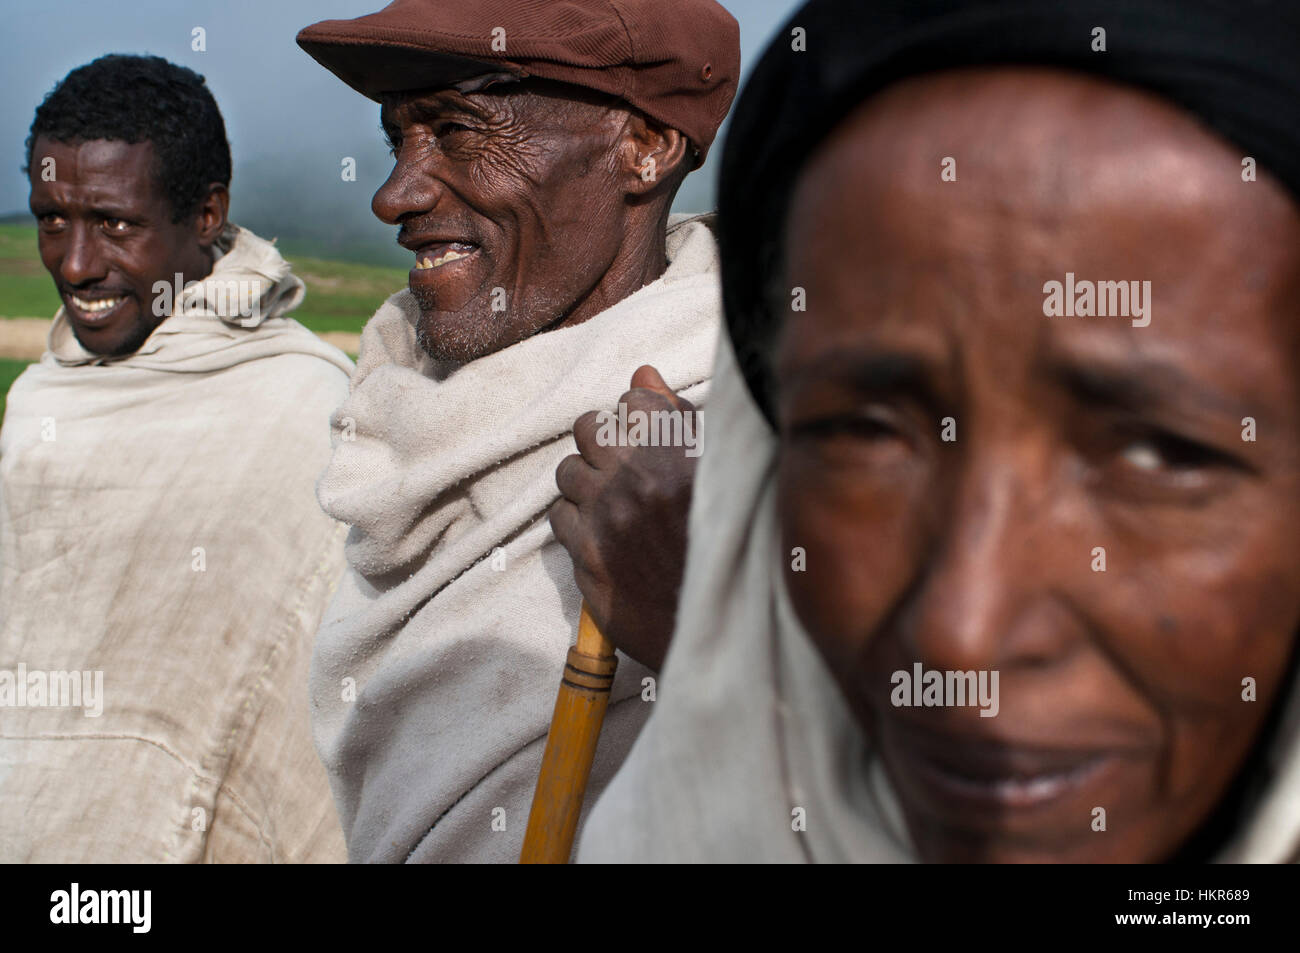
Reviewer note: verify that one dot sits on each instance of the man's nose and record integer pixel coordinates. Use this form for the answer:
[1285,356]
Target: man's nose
[412,189]
[988,600]
[82,262]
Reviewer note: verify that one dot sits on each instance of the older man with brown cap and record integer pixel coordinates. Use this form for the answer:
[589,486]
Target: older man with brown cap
[538,146]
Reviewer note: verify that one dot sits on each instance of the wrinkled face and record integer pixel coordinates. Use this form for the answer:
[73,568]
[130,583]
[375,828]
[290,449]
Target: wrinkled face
[510,202]
[1067,501]
[106,236]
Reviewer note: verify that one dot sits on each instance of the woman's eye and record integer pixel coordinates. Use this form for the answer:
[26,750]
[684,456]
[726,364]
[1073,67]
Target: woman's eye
[1143,455]
[1169,462]
[854,426]
[1155,453]
[864,427]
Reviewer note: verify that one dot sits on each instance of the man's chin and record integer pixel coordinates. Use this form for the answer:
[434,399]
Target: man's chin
[460,338]
[110,342]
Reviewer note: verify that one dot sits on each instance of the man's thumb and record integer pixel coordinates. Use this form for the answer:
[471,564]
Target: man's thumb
[650,379]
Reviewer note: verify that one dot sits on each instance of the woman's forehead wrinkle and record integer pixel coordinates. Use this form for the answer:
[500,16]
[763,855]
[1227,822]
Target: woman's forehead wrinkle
[1173,165]
[1036,139]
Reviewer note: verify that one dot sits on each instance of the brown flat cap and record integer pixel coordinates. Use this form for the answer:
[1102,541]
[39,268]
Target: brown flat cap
[677,61]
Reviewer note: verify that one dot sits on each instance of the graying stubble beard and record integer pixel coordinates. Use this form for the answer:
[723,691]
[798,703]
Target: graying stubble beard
[456,343]
[467,341]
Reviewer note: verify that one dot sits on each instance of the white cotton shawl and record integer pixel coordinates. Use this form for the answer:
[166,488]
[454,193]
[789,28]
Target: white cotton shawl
[437,666]
[750,737]
[158,525]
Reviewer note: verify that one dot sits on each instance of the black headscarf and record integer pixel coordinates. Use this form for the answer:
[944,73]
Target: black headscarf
[1235,64]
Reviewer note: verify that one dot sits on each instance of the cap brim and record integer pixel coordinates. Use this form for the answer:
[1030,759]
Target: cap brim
[373,69]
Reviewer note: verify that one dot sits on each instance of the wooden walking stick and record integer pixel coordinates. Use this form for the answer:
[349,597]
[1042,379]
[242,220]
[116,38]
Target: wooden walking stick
[570,746]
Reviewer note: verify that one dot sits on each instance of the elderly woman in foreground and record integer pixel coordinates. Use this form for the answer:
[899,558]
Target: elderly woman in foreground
[993,542]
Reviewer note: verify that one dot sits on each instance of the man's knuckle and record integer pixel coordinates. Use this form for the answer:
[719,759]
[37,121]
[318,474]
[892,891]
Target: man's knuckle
[623,516]
[564,473]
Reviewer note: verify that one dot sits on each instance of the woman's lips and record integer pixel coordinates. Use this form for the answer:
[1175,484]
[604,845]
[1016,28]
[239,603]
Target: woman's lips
[998,786]
[971,776]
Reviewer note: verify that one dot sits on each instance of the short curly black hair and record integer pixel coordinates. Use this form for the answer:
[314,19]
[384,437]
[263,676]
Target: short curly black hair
[143,99]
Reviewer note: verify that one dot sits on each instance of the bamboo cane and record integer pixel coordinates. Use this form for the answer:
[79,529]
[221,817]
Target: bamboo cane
[570,746]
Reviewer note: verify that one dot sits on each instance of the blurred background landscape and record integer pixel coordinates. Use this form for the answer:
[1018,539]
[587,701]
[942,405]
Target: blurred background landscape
[290,122]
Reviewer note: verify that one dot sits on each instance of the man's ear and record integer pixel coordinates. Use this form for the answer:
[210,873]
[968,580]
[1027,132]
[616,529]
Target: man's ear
[210,220]
[652,154]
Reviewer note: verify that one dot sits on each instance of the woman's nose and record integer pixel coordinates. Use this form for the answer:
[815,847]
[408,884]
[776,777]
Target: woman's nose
[987,600]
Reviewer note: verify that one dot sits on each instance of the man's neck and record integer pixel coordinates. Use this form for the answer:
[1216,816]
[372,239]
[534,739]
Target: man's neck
[641,261]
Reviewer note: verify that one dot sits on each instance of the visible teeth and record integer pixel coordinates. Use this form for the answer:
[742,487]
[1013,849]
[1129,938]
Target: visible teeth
[102,304]
[449,256]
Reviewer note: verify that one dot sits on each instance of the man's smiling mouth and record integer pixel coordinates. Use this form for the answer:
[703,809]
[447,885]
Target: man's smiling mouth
[450,269]
[94,310]
[443,253]
[96,305]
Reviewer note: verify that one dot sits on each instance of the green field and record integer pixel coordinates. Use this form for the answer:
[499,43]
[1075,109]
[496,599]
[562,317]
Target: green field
[26,290]
[341,295]
[9,371]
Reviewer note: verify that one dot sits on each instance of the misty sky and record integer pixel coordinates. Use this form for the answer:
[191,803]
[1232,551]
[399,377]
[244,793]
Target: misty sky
[289,120]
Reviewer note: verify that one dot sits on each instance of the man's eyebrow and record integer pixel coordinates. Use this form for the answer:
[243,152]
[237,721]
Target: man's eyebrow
[113,211]
[1144,384]
[99,209]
